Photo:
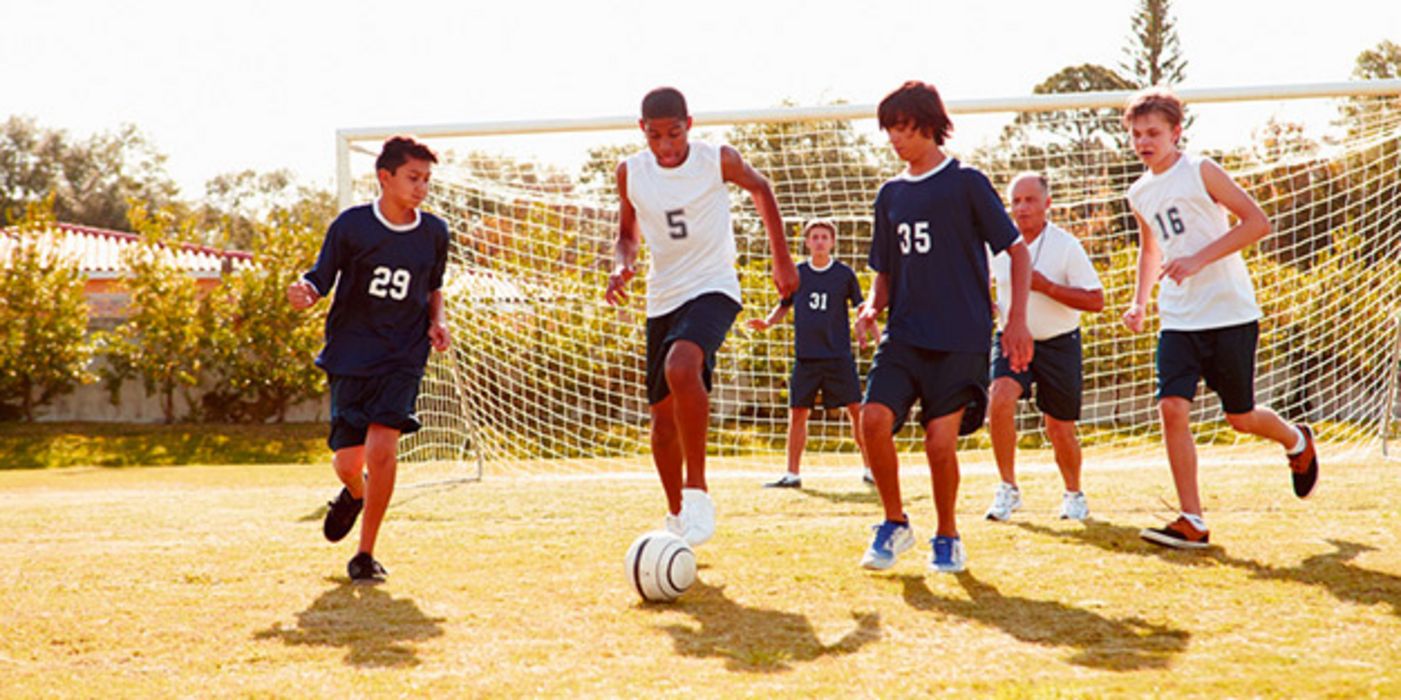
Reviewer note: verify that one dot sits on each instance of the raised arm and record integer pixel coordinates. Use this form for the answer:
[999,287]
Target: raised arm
[1253,224]
[734,169]
[626,246]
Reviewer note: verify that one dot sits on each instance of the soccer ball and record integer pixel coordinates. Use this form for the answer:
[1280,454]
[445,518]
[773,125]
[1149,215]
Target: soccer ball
[660,566]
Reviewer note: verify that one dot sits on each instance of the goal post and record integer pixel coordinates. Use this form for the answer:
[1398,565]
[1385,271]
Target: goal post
[544,370]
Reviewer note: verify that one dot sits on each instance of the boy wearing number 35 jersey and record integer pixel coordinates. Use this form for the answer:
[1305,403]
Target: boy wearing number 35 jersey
[385,261]
[674,195]
[1210,318]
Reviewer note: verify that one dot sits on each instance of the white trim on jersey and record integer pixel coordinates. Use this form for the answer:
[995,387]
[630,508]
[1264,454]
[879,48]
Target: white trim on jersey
[397,228]
[907,177]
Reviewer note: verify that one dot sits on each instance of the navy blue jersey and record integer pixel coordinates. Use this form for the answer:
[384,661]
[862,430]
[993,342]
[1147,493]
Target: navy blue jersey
[821,328]
[379,315]
[928,239]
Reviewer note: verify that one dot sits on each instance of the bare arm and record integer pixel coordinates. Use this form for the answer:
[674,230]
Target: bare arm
[626,246]
[1074,297]
[1150,260]
[1253,225]
[734,169]
[1016,337]
[774,317]
[438,333]
[870,309]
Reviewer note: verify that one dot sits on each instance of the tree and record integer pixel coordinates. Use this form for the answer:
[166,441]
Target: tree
[93,181]
[259,346]
[44,353]
[1153,55]
[162,341]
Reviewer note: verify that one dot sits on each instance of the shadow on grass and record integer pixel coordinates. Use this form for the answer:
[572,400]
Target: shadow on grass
[372,625]
[865,496]
[756,640]
[1104,643]
[1331,571]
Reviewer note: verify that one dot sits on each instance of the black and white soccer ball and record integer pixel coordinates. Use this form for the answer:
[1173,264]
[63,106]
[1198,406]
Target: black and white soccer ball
[660,566]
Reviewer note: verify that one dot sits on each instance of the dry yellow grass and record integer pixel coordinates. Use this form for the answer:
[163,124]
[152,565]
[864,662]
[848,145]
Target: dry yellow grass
[214,581]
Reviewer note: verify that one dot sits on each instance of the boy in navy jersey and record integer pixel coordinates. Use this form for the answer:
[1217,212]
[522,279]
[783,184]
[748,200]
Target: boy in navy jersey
[927,248]
[385,261]
[674,193]
[821,345]
[1210,321]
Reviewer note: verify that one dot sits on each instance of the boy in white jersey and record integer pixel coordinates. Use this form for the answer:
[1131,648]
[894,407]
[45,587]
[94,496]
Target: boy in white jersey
[674,194]
[1063,283]
[1210,319]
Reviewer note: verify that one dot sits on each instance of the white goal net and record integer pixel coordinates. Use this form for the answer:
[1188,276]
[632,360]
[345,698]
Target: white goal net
[543,369]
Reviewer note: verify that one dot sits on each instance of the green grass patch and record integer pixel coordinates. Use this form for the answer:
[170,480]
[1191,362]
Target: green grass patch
[48,445]
[216,581]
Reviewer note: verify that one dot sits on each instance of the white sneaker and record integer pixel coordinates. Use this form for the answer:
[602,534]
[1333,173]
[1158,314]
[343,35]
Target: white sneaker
[1007,500]
[674,525]
[698,516]
[948,555]
[867,478]
[789,480]
[1074,507]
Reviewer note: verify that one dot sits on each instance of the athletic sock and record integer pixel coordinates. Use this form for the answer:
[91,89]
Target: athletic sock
[1197,521]
[1299,442]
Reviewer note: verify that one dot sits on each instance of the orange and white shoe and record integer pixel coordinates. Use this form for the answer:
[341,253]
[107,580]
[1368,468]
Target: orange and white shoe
[1178,534]
[1303,467]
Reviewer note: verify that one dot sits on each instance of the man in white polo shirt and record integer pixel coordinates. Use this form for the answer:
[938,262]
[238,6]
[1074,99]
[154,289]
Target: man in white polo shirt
[1063,283]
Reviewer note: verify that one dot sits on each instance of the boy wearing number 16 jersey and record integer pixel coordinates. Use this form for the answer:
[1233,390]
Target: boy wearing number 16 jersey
[1210,318]
[674,194]
[385,261]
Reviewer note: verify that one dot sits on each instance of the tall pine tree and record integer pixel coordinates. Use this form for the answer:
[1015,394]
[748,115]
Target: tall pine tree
[1153,55]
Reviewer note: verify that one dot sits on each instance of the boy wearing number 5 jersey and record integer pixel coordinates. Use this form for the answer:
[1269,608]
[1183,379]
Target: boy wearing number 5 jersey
[385,261]
[674,195]
[1210,321]
[933,226]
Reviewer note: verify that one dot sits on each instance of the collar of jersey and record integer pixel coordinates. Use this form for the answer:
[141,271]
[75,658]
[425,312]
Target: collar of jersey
[397,228]
[907,177]
[830,262]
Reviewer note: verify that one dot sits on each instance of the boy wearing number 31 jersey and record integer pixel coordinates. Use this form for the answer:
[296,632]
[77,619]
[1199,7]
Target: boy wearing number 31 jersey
[1210,321]
[674,195]
[385,261]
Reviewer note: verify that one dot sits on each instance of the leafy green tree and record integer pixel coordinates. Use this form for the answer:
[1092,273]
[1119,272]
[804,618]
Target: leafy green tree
[259,347]
[43,316]
[92,180]
[1153,55]
[163,340]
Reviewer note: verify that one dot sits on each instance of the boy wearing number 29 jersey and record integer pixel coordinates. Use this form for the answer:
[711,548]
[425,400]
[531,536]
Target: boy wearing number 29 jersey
[1210,321]
[385,262]
[673,195]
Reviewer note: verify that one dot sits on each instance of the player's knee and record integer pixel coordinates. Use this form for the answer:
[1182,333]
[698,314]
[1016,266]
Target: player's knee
[1003,397]
[683,372]
[876,422]
[1241,422]
[941,451]
[1174,411]
[1059,431]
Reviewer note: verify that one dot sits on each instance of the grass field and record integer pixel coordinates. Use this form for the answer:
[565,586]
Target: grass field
[214,581]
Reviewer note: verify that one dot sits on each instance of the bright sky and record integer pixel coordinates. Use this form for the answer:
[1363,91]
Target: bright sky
[264,84]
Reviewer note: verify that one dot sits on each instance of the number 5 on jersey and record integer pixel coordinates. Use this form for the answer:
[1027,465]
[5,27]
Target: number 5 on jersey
[393,284]
[676,223]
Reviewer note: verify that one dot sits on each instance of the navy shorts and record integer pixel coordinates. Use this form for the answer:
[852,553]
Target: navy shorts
[385,399]
[943,382]
[834,377]
[1056,369]
[1224,357]
[704,321]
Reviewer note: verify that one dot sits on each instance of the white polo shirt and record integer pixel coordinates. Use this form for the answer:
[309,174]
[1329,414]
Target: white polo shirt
[1058,256]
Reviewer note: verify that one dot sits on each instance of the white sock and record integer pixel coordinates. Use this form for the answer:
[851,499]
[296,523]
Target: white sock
[1298,441]
[1197,521]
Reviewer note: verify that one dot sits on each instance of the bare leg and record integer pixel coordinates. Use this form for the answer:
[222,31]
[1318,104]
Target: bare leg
[1002,426]
[382,461]
[349,463]
[853,411]
[941,448]
[666,452]
[1265,423]
[797,437]
[684,362]
[877,421]
[1182,451]
[1067,449]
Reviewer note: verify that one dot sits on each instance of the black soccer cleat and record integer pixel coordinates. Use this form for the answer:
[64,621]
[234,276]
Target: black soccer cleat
[1303,467]
[364,569]
[341,515]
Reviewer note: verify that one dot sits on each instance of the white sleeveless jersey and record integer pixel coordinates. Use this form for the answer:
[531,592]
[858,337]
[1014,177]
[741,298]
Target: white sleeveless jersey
[684,214]
[1178,210]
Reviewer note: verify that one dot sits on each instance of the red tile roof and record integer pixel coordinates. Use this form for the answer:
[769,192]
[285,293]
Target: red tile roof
[99,251]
